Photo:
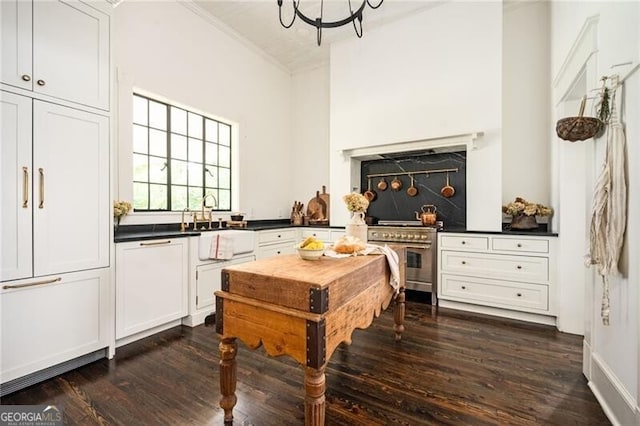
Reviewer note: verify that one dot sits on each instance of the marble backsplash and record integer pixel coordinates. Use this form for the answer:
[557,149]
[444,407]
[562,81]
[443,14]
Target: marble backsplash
[398,205]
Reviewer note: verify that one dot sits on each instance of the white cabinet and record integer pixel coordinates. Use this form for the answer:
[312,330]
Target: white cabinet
[275,242]
[52,319]
[511,274]
[151,284]
[56,48]
[55,181]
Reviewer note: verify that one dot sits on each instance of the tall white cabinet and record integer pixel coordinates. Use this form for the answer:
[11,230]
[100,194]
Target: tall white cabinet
[55,216]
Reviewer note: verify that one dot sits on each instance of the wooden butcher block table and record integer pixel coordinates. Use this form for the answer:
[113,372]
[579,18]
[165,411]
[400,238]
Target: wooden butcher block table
[303,309]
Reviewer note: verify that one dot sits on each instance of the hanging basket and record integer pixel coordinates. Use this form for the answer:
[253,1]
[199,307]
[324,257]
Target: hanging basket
[578,128]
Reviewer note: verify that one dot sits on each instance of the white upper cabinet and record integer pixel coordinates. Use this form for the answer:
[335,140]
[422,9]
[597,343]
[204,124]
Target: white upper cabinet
[58,49]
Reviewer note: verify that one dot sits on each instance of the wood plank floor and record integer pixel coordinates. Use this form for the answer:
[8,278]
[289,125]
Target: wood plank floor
[451,368]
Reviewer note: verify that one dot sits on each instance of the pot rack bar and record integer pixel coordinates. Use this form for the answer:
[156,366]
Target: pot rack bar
[417,172]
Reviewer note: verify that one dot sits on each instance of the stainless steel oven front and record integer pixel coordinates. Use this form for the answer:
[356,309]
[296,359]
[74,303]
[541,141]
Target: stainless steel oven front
[420,243]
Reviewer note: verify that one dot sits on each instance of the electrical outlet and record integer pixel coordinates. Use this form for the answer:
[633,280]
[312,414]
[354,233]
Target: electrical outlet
[280,214]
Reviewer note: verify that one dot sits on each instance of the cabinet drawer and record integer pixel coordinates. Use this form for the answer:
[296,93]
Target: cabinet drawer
[498,293]
[270,237]
[520,245]
[321,234]
[464,242]
[276,250]
[524,268]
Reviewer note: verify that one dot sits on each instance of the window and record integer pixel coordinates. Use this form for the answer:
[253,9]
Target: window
[178,157]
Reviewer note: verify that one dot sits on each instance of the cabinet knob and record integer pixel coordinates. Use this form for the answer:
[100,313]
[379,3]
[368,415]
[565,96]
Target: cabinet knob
[279,236]
[464,287]
[26,77]
[40,82]
[519,294]
[464,262]
[518,245]
[519,267]
[464,242]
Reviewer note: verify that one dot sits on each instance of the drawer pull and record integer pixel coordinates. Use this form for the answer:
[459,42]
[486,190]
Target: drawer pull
[518,245]
[464,287]
[519,267]
[156,243]
[26,77]
[464,242]
[53,280]
[519,294]
[464,262]
[279,236]
[40,82]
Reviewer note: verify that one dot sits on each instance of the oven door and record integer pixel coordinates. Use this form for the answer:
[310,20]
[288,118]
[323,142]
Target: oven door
[421,268]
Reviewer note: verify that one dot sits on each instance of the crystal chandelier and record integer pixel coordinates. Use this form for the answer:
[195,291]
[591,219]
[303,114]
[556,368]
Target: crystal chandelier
[319,23]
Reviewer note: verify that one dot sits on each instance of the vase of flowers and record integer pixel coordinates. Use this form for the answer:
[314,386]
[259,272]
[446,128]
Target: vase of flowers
[120,209]
[523,213]
[357,204]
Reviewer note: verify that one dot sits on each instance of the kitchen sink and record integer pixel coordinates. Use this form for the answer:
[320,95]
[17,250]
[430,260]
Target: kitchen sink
[243,241]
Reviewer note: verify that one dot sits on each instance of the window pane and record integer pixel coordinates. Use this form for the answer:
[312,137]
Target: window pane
[224,178]
[158,195]
[224,201]
[179,172]
[157,170]
[178,198]
[157,115]
[211,154]
[211,130]
[178,146]
[140,110]
[195,150]
[195,197]
[225,156]
[140,196]
[157,143]
[225,134]
[211,176]
[140,168]
[195,125]
[140,139]
[195,174]
[178,120]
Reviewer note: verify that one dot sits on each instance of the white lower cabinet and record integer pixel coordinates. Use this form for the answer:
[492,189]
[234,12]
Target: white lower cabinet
[512,275]
[275,242]
[151,284]
[52,319]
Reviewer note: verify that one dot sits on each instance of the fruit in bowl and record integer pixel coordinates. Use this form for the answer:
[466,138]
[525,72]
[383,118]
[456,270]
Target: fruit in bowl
[310,249]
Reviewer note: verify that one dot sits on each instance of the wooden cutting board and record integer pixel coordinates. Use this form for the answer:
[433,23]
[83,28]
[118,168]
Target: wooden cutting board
[316,208]
[325,197]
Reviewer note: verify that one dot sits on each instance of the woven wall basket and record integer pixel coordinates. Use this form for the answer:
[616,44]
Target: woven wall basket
[578,128]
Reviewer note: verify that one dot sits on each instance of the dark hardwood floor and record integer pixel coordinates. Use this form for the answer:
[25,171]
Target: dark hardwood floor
[451,368]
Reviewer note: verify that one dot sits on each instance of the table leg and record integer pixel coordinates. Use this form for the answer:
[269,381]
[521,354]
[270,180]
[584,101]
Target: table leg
[314,403]
[228,350]
[398,314]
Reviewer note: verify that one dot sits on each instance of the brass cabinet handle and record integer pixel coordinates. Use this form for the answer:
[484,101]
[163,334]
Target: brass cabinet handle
[25,187]
[40,82]
[26,77]
[53,280]
[41,186]
[156,243]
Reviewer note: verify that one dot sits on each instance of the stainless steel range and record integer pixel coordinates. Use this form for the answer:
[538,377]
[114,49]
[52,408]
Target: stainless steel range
[420,242]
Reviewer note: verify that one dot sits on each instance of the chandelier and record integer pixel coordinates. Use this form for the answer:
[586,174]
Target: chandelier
[319,23]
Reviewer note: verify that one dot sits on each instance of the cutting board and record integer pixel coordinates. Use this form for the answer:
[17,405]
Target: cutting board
[325,197]
[316,208]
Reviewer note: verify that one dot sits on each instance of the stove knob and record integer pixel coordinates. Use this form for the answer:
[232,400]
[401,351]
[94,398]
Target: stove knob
[423,237]
[396,235]
[411,236]
[403,235]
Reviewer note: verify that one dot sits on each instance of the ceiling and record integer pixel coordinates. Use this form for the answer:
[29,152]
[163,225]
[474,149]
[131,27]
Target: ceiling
[256,23]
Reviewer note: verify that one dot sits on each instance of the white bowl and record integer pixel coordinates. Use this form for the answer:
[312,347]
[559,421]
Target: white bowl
[310,254]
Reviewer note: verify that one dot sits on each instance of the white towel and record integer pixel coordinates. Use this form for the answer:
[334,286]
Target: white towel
[391,255]
[221,247]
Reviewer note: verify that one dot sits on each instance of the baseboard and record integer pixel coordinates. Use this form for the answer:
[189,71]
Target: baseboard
[503,313]
[129,339]
[48,373]
[618,405]
[197,318]
[586,359]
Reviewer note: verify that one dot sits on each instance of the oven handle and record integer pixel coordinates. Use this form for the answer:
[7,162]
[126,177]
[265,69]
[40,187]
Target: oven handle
[423,247]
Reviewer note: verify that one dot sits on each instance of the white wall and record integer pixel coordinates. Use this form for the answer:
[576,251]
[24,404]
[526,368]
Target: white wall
[613,354]
[170,51]
[434,74]
[526,95]
[310,139]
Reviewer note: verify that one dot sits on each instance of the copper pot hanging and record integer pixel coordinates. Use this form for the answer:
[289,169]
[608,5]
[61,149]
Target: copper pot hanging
[370,194]
[396,184]
[447,191]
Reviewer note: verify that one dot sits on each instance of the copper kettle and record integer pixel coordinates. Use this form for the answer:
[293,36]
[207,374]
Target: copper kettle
[428,215]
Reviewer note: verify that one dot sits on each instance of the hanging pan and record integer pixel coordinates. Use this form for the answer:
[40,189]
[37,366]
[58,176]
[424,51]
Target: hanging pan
[447,191]
[369,194]
[412,191]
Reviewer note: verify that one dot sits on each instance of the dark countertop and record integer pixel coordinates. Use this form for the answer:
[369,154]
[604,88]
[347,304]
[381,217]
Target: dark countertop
[127,233]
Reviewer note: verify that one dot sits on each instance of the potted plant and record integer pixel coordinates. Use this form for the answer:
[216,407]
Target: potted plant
[523,213]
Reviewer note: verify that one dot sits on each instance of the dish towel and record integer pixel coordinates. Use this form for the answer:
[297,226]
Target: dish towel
[392,260]
[221,247]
